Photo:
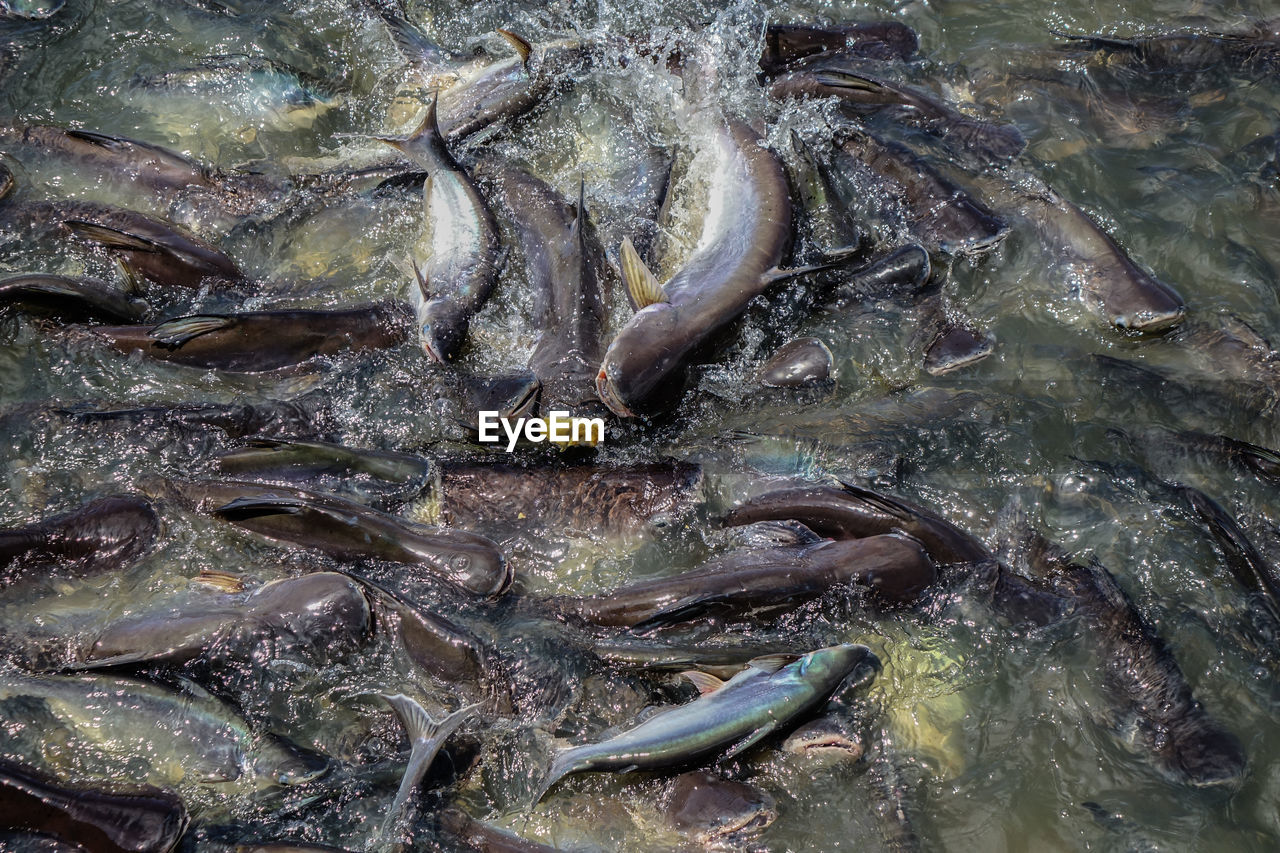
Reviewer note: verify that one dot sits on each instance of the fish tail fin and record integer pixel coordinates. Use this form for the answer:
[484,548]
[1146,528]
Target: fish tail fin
[426,736]
[412,43]
[560,767]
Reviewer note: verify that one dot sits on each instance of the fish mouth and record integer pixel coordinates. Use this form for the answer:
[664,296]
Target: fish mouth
[604,387]
[432,349]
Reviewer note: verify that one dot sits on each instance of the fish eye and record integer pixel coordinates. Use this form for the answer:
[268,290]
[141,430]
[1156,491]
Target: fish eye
[460,561]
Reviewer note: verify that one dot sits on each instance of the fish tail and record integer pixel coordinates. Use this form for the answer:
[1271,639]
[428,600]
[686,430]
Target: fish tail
[426,736]
[560,767]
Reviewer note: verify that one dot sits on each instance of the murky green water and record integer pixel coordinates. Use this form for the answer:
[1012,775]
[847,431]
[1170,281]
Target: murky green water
[993,732]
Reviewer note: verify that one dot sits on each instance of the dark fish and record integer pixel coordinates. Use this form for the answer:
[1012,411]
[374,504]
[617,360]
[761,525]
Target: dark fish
[883,40]
[862,91]
[1110,284]
[325,610]
[1253,571]
[156,250]
[712,810]
[565,263]
[1141,675]
[895,569]
[70,299]
[901,272]
[832,738]
[851,512]
[459,265]
[591,499]
[438,647]
[148,247]
[236,420]
[720,659]
[767,697]
[743,238]
[349,531]
[101,535]
[955,346]
[941,215]
[264,340]
[144,821]
[368,473]
[1254,50]
[479,836]
[795,364]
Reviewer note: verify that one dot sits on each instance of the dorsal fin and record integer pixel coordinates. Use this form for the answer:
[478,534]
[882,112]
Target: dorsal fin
[642,285]
[704,681]
[521,46]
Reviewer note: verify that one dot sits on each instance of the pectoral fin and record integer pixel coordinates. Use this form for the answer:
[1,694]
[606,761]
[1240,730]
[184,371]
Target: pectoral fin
[221,581]
[176,332]
[111,237]
[836,258]
[246,508]
[751,739]
[642,285]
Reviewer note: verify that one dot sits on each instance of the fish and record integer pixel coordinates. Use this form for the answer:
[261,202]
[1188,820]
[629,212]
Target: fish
[583,498]
[477,835]
[349,531]
[565,267]
[153,735]
[267,94]
[459,253]
[904,271]
[851,511]
[1253,50]
[149,248]
[712,810]
[255,341]
[235,420]
[326,611]
[426,736]
[139,166]
[101,535]
[1252,570]
[894,569]
[1109,283]
[784,44]
[939,214]
[744,235]
[728,718]
[100,821]
[475,95]
[956,345]
[71,299]
[1140,674]
[336,467]
[798,363]
[861,91]
[833,738]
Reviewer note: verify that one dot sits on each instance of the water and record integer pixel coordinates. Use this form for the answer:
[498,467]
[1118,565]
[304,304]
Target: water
[994,732]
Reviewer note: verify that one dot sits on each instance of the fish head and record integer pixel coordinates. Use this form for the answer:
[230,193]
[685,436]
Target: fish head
[642,370]
[442,328]
[511,395]
[830,667]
